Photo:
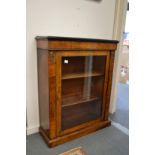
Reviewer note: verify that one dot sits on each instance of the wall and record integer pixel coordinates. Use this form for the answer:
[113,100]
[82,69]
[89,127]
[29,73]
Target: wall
[119,26]
[72,18]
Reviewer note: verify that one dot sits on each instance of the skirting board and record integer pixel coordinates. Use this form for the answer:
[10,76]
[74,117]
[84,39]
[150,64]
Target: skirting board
[32,130]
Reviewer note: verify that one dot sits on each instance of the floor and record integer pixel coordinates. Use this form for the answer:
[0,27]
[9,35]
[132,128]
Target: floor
[121,115]
[108,141]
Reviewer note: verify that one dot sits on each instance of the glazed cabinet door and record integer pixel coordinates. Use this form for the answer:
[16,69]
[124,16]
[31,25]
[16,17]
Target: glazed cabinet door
[81,89]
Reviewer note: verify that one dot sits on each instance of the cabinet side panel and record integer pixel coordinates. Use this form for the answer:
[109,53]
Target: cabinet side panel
[43,90]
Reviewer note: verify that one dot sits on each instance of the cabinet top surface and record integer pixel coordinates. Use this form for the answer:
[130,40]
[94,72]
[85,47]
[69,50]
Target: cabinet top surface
[74,39]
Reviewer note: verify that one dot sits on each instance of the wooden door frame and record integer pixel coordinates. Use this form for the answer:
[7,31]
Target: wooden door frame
[59,56]
[119,26]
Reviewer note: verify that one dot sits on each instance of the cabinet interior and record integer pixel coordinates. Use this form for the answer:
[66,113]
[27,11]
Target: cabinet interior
[82,89]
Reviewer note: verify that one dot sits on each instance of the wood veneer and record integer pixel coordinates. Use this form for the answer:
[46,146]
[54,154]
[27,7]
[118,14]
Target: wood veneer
[74,86]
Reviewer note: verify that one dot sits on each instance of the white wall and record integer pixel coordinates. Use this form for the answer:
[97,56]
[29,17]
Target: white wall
[119,26]
[72,18]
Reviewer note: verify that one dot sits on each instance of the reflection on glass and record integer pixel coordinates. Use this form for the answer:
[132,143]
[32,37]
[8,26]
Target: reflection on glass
[82,89]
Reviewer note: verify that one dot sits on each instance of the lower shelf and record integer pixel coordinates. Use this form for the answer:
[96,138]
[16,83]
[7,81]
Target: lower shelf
[80,113]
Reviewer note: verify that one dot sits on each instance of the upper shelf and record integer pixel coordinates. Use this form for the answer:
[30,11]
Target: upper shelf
[80,75]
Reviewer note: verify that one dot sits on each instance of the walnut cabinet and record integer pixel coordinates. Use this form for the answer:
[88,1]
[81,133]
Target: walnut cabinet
[74,86]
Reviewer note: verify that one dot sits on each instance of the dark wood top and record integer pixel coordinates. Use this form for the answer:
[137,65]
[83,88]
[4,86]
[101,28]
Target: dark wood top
[75,39]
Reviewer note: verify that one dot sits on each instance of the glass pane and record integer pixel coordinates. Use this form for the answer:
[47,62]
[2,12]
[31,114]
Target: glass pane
[82,89]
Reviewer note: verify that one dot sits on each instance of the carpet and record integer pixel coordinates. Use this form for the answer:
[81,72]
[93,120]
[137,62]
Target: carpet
[121,115]
[107,141]
[75,151]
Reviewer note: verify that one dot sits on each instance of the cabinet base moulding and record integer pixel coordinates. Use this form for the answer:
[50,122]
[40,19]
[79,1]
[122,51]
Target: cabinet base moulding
[73,135]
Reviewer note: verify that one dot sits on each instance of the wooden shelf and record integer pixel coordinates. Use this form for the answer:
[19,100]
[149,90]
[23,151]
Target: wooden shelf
[81,112]
[77,99]
[80,75]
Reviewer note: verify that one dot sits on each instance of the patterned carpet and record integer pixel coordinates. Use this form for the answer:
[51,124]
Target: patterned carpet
[75,151]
